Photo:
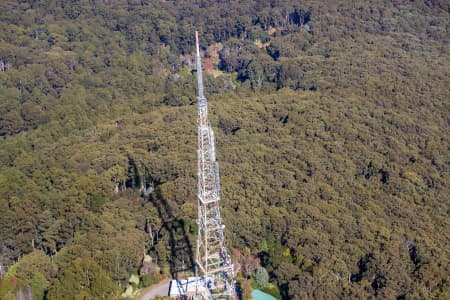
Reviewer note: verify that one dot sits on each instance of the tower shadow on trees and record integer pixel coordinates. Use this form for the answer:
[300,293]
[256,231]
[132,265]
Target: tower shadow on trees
[181,255]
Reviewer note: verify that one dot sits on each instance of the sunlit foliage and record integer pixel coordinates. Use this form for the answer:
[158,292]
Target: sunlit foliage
[331,122]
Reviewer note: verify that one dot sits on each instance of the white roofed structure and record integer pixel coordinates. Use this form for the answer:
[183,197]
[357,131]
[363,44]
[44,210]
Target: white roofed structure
[190,288]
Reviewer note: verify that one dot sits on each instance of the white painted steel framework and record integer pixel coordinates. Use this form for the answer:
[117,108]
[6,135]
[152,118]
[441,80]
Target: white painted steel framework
[212,257]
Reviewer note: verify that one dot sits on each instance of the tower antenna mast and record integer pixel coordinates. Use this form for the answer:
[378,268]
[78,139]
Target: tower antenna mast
[213,259]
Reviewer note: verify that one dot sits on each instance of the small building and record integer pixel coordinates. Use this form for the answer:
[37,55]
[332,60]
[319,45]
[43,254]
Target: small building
[259,295]
[187,289]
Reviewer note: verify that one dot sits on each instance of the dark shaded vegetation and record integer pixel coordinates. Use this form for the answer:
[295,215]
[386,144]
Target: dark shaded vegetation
[332,134]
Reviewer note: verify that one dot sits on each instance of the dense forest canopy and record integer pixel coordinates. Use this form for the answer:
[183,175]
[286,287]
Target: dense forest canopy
[331,120]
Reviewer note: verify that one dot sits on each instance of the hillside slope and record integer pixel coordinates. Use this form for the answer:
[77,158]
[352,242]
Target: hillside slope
[331,122]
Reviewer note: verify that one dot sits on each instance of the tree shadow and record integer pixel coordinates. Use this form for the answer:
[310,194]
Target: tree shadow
[181,255]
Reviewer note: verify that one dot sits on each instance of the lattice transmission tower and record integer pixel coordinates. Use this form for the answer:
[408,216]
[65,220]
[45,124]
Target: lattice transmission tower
[213,258]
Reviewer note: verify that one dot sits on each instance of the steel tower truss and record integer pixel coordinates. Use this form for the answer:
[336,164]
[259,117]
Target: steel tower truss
[212,257]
